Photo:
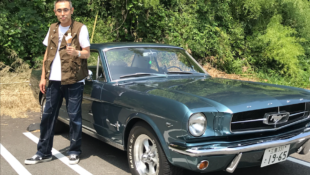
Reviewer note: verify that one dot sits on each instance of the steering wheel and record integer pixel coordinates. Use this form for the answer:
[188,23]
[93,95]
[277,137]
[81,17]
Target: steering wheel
[174,67]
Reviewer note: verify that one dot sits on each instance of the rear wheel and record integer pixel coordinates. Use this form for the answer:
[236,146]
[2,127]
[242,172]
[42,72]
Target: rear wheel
[59,126]
[145,155]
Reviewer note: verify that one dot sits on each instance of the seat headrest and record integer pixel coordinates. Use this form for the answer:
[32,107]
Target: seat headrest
[142,62]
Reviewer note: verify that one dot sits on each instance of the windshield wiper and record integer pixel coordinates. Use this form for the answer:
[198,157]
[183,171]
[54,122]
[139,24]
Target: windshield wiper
[179,72]
[140,75]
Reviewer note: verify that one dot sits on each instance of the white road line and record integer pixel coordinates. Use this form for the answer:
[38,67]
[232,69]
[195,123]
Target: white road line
[60,156]
[299,161]
[15,164]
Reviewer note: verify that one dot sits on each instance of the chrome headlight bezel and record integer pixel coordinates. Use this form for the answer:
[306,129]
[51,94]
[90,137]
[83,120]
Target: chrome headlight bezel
[197,124]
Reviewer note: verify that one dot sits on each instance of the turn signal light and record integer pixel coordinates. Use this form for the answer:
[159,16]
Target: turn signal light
[203,165]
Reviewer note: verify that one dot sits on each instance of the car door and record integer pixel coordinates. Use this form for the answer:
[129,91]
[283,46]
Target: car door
[111,94]
[106,114]
[87,114]
[98,104]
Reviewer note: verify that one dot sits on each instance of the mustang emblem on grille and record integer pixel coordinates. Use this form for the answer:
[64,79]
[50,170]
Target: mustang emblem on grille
[275,118]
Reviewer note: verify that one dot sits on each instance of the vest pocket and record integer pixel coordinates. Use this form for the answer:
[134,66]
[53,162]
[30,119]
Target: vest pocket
[75,67]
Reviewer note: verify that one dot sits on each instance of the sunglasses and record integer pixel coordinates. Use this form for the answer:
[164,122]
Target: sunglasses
[63,10]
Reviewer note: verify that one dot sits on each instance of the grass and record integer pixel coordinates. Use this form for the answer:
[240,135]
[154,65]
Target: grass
[286,81]
[16,97]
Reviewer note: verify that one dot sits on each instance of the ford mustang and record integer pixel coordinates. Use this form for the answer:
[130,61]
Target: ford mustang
[158,104]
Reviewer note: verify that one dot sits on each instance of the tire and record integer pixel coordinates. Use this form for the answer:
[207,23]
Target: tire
[145,154]
[59,126]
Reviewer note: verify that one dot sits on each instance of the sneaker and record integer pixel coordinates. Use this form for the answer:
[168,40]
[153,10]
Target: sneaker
[74,159]
[37,159]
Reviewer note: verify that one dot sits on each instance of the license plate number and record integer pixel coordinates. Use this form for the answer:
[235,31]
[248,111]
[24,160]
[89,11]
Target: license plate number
[275,155]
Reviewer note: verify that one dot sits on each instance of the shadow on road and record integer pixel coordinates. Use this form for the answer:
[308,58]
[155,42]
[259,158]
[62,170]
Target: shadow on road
[92,147]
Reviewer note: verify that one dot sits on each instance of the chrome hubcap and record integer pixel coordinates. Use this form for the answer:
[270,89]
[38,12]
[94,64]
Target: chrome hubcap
[146,156]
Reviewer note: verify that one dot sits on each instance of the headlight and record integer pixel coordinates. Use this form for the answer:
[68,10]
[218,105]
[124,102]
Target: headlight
[197,124]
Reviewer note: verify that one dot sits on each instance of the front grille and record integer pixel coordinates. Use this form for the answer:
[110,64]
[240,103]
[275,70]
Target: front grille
[253,120]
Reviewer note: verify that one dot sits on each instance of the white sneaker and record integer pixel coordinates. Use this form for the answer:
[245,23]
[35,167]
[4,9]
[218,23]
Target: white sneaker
[74,159]
[37,159]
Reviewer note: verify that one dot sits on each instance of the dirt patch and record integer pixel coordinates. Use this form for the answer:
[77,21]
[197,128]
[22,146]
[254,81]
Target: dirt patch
[16,98]
[220,74]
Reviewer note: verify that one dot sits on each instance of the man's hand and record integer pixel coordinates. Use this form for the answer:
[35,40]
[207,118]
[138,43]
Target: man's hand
[71,51]
[42,85]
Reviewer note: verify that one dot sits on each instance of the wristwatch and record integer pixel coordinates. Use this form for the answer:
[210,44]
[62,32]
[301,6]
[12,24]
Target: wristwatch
[79,54]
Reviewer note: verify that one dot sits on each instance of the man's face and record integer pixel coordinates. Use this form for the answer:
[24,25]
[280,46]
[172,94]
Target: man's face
[63,12]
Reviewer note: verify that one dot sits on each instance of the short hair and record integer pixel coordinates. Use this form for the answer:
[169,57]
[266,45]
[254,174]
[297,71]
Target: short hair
[62,1]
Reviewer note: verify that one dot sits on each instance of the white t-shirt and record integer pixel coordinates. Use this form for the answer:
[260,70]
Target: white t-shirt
[56,65]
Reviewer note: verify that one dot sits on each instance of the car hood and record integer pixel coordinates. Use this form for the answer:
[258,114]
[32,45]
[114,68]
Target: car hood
[225,95]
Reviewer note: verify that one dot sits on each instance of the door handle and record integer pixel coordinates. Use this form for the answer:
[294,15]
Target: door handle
[116,125]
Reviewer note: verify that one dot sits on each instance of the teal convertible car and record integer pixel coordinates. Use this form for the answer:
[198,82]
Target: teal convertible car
[158,104]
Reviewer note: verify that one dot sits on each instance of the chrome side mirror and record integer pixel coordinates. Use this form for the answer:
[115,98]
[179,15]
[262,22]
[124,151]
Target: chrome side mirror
[90,76]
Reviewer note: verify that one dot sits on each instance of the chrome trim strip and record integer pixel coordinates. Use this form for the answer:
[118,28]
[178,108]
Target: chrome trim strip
[93,133]
[174,47]
[97,69]
[196,62]
[298,113]
[137,78]
[275,129]
[91,129]
[94,99]
[245,121]
[201,151]
[106,64]
[166,75]
[234,163]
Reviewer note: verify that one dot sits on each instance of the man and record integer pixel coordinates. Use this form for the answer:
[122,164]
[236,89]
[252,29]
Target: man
[65,67]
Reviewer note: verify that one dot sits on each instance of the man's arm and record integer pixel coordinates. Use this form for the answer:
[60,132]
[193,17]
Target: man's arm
[84,43]
[43,81]
[85,52]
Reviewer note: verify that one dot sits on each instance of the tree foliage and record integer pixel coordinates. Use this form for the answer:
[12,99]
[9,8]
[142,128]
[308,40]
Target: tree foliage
[237,36]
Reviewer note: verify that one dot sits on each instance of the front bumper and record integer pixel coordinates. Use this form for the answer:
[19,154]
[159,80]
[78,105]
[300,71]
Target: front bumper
[232,153]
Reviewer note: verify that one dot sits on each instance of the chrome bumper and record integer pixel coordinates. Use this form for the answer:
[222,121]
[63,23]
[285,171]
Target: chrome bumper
[206,151]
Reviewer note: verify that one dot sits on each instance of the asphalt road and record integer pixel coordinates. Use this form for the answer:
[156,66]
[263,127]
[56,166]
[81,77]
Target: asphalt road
[97,158]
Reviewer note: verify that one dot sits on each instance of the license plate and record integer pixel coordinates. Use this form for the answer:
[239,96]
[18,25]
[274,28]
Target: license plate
[275,155]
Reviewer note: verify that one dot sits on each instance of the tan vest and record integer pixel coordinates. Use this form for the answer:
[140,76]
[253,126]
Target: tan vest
[73,69]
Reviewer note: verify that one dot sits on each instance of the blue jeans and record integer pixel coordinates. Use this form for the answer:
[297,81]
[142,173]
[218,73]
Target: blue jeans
[55,93]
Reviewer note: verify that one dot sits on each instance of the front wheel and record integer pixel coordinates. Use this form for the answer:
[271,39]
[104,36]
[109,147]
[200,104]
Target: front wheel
[145,155]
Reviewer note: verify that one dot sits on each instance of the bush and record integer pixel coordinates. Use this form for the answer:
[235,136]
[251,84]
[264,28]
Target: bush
[262,36]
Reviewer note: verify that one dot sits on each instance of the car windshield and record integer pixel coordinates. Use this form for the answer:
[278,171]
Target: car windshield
[133,62]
